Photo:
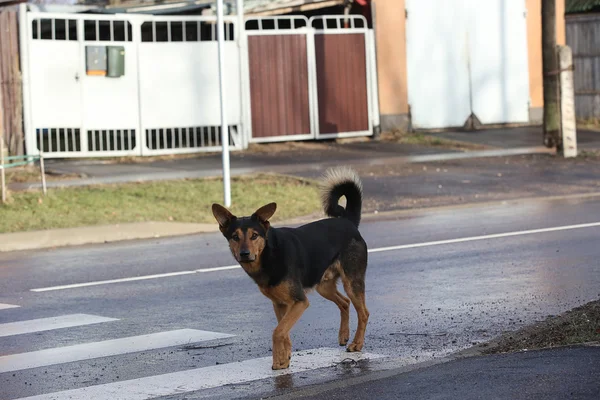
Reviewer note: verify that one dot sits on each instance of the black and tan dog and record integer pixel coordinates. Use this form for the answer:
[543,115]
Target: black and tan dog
[287,262]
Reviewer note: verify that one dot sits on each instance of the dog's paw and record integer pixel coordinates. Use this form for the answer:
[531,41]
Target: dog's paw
[343,341]
[353,347]
[282,356]
[280,365]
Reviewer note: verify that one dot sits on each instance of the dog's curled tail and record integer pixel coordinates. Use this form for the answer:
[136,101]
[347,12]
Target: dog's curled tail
[338,182]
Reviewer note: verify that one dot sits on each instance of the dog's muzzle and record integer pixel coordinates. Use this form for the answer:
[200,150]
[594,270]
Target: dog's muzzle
[245,256]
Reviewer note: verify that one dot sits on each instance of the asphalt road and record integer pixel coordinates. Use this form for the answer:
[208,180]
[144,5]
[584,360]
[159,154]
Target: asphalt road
[438,281]
[549,374]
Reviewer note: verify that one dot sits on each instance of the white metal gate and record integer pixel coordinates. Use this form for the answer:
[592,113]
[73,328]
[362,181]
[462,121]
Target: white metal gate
[467,57]
[179,84]
[163,103]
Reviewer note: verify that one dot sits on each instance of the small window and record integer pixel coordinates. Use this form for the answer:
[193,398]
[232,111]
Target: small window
[176,31]
[46,29]
[119,31]
[35,31]
[147,34]
[72,30]
[161,32]
[105,31]
[89,28]
[192,30]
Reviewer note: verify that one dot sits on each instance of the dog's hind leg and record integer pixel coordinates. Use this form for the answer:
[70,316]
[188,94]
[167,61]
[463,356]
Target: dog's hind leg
[358,300]
[353,271]
[327,288]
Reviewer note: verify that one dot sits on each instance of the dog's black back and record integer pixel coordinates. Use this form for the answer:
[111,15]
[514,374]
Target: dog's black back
[305,253]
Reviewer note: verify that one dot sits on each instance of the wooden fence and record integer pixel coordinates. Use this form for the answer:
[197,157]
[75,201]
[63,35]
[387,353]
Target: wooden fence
[11,99]
[583,36]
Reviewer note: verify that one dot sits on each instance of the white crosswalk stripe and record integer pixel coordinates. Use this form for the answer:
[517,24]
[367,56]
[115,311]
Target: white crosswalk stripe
[7,306]
[47,324]
[206,378]
[106,348]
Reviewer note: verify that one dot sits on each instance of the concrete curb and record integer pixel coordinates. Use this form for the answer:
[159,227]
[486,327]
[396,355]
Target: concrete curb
[52,238]
[98,234]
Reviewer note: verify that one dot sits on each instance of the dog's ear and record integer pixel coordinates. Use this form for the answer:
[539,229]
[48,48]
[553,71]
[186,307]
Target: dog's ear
[265,212]
[222,215]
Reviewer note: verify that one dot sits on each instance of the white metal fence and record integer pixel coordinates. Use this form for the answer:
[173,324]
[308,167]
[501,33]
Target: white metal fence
[164,103]
[165,100]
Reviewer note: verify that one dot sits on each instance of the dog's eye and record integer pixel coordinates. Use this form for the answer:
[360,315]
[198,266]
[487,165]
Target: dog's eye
[235,237]
[254,236]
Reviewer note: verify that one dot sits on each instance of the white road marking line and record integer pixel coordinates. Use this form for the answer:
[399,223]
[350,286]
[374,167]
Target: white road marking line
[218,268]
[96,283]
[375,250]
[107,348]
[207,377]
[7,306]
[136,278]
[484,237]
[47,324]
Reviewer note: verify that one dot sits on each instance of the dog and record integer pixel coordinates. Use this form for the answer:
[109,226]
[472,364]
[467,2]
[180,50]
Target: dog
[286,263]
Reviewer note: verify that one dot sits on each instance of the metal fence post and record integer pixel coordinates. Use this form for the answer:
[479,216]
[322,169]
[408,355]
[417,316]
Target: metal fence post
[224,127]
[43,174]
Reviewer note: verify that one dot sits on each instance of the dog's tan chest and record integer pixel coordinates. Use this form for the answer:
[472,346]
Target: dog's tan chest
[280,294]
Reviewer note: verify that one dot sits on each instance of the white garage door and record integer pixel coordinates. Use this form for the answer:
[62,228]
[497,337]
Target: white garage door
[467,57]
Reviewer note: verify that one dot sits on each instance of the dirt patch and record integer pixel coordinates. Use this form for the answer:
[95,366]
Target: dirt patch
[32,174]
[580,325]
[279,147]
[592,124]
[421,139]
[593,155]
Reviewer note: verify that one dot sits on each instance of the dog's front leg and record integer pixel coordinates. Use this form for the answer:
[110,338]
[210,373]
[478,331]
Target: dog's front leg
[281,334]
[280,311]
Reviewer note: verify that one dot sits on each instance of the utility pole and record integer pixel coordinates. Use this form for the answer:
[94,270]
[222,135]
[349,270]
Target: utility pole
[551,76]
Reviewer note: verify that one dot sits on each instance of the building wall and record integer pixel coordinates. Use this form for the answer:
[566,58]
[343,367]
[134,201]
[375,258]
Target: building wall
[390,30]
[390,37]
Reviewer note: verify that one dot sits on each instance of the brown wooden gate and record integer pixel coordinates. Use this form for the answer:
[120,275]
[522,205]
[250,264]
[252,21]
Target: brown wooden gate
[311,79]
[341,60]
[279,87]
